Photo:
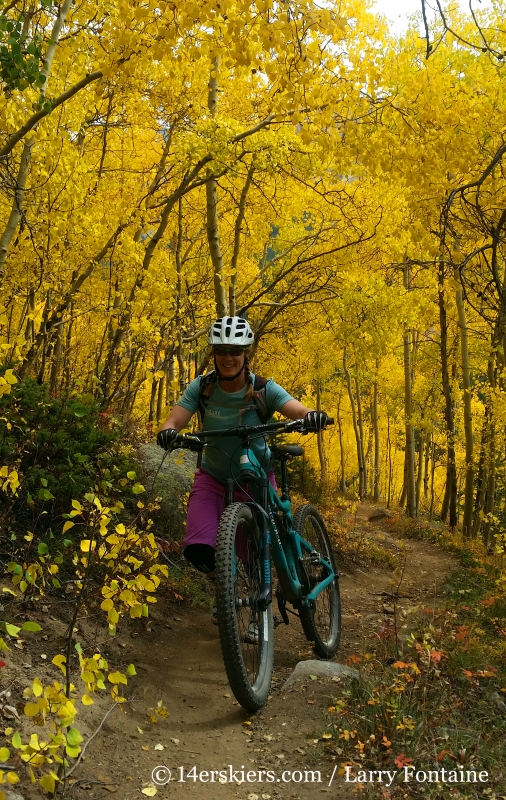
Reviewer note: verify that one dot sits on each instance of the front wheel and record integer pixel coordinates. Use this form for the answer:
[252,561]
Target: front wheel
[246,634]
[321,621]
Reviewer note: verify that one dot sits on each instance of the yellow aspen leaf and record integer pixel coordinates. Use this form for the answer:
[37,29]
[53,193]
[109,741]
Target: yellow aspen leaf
[86,700]
[48,782]
[113,616]
[127,596]
[5,754]
[68,525]
[59,662]
[31,709]
[117,677]
[37,687]
[74,737]
[10,377]
[12,778]
[16,740]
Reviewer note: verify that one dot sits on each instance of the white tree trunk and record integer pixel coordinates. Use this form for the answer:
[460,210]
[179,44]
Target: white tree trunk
[467,521]
[26,155]
[213,234]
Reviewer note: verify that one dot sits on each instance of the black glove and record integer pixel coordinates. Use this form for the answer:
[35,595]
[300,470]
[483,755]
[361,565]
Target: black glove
[315,421]
[167,438]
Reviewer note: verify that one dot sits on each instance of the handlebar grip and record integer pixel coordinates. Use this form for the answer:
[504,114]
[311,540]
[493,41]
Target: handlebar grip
[187,443]
[330,420]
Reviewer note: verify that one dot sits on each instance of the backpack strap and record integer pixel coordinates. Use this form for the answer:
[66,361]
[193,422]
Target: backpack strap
[207,380]
[260,398]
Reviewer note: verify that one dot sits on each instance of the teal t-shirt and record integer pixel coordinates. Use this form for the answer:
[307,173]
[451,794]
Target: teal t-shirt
[228,410]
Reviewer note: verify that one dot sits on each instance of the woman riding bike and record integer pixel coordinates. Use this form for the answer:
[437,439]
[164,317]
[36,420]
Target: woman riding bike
[229,397]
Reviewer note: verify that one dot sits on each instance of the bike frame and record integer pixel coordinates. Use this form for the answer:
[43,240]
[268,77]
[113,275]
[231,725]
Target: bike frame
[288,546]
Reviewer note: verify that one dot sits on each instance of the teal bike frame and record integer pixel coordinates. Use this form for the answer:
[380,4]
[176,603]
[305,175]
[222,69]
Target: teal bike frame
[273,515]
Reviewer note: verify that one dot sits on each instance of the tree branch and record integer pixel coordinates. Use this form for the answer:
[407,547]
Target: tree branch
[57,101]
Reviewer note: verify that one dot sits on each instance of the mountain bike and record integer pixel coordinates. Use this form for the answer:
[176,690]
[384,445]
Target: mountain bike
[253,534]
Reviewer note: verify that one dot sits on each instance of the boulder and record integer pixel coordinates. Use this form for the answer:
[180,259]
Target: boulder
[321,669]
[170,477]
[380,513]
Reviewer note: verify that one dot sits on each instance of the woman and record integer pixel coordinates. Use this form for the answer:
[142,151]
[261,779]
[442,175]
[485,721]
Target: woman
[228,398]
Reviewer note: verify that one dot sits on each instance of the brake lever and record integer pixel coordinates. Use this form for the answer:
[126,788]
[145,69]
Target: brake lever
[296,426]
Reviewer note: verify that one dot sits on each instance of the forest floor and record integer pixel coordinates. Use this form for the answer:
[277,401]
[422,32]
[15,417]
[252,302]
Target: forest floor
[179,669]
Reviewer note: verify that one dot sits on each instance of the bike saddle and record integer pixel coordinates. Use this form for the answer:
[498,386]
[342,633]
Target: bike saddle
[284,450]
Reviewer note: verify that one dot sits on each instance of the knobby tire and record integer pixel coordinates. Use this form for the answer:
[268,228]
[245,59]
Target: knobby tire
[238,578]
[321,621]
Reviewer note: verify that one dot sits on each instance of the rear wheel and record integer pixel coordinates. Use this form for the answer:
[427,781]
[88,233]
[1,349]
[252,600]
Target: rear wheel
[321,620]
[246,634]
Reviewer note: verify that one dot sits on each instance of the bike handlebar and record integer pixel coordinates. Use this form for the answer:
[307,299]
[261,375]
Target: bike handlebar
[197,441]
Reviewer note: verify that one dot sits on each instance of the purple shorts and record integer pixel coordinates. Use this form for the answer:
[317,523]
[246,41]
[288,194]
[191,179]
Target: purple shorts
[206,504]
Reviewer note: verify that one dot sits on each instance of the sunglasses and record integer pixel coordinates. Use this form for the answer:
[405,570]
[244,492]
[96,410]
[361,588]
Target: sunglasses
[229,351]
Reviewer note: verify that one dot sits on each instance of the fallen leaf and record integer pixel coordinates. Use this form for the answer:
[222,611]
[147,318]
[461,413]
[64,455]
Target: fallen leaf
[10,712]
[159,747]
[149,791]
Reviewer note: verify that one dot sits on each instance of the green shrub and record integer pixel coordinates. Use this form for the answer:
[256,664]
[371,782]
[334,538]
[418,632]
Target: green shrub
[60,447]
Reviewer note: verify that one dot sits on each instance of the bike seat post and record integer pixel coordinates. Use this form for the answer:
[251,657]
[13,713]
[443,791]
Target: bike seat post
[285,493]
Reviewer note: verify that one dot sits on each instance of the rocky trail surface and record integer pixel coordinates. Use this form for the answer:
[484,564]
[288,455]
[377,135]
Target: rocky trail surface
[179,668]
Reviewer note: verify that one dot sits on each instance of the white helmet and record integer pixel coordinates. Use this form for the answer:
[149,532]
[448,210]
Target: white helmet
[231,330]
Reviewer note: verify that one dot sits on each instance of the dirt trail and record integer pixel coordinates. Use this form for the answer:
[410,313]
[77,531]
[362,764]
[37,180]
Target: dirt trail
[178,660]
